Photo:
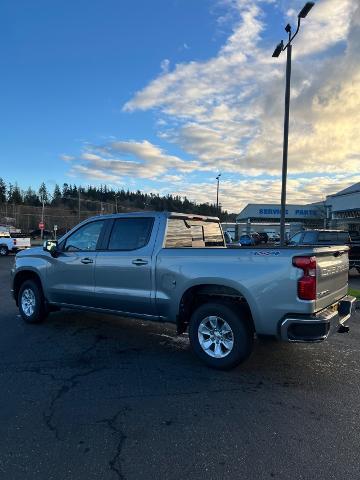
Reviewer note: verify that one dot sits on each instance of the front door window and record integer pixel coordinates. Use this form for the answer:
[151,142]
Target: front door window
[85,238]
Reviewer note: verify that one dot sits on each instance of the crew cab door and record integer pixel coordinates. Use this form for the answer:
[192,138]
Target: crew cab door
[70,275]
[123,270]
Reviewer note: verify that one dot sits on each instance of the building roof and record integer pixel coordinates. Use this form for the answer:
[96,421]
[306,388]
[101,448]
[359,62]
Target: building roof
[352,189]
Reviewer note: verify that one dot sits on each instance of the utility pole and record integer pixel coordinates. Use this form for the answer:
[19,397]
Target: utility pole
[280,48]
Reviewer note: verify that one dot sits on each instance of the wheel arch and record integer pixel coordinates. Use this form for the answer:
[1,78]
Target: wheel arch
[21,277]
[196,295]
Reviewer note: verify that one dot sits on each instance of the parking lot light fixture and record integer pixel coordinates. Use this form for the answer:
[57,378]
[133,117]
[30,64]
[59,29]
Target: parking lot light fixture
[280,48]
[306,9]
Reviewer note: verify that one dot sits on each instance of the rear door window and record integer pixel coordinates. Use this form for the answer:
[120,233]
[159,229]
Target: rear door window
[130,233]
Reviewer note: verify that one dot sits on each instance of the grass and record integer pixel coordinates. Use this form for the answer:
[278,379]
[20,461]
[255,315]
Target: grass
[354,293]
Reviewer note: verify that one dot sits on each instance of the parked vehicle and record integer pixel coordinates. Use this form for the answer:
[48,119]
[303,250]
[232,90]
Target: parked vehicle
[228,238]
[9,244]
[320,237]
[264,237]
[256,237]
[354,255]
[354,235]
[330,237]
[176,268]
[246,240]
[273,237]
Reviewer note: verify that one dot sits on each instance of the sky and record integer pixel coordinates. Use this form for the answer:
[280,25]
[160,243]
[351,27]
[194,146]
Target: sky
[162,96]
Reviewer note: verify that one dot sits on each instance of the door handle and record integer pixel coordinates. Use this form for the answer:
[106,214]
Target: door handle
[87,260]
[139,262]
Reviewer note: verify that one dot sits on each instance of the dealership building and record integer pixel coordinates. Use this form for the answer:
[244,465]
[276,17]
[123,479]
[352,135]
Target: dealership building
[340,211]
[343,208]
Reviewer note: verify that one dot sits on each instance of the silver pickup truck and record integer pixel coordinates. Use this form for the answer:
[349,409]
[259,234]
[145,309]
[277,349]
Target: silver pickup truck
[171,267]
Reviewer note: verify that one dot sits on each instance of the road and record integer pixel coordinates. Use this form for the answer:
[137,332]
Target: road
[85,396]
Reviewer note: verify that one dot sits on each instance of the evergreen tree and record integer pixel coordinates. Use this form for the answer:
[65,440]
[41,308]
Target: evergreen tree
[56,198]
[14,194]
[2,191]
[65,190]
[31,198]
[43,193]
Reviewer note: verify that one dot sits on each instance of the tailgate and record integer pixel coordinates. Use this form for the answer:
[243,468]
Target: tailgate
[331,276]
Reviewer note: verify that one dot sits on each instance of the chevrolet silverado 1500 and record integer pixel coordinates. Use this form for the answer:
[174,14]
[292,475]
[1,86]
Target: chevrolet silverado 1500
[176,268]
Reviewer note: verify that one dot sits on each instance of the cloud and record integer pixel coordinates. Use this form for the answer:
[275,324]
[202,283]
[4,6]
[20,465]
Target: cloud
[226,113]
[115,160]
[328,25]
[235,195]
[164,65]
[67,158]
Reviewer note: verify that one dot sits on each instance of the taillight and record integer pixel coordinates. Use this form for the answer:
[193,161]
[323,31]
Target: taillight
[307,283]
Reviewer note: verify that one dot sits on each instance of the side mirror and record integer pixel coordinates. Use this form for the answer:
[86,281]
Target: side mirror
[51,246]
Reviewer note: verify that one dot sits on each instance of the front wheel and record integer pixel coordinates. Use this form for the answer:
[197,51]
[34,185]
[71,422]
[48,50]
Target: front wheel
[220,335]
[4,250]
[31,302]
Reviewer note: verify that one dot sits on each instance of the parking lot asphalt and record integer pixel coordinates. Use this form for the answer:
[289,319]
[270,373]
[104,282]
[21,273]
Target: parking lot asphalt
[89,396]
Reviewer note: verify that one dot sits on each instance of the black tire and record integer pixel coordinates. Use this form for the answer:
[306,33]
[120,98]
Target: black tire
[39,310]
[242,334]
[4,251]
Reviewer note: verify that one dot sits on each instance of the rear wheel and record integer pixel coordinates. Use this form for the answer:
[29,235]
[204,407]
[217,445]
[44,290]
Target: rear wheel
[31,302]
[4,250]
[220,335]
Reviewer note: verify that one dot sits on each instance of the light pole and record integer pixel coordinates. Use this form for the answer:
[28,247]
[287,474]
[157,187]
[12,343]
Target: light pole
[280,48]
[42,217]
[79,204]
[217,193]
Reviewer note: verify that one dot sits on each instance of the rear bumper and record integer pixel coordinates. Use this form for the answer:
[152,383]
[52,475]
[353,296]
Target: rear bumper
[318,327]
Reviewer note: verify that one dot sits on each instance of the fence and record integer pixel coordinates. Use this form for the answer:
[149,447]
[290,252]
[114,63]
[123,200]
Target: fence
[27,218]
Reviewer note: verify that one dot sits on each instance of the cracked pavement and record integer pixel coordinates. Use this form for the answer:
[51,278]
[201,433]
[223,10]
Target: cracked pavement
[88,396]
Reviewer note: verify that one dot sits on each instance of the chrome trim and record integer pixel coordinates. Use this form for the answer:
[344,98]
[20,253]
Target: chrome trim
[335,316]
[285,324]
